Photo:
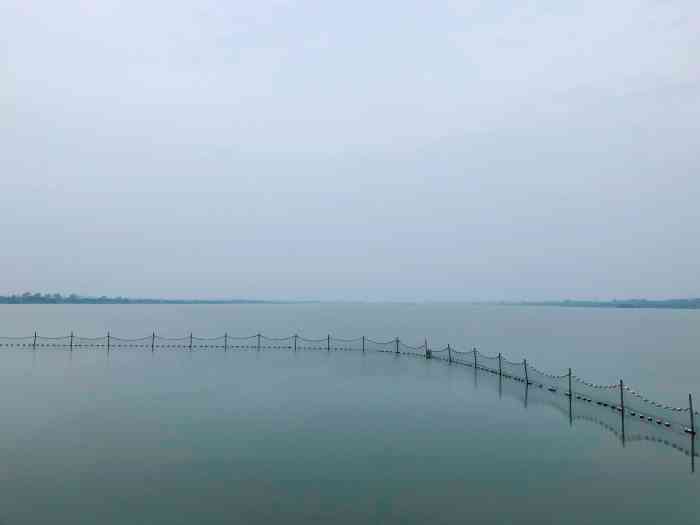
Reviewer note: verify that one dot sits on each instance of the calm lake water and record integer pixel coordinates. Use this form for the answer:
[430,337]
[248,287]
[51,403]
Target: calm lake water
[275,436]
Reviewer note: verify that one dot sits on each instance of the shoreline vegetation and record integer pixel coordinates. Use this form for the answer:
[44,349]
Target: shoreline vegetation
[56,298]
[679,304]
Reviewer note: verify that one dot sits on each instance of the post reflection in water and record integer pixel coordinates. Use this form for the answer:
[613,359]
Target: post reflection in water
[626,428]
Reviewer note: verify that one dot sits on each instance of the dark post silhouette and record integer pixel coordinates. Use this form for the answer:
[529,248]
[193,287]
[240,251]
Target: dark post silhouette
[571,401]
[363,343]
[295,342]
[475,364]
[527,380]
[108,341]
[258,342]
[328,344]
[34,345]
[500,368]
[190,341]
[622,410]
[226,342]
[397,345]
[449,354]
[71,341]
[527,389]
[428,353]
[153,342]
[692,415]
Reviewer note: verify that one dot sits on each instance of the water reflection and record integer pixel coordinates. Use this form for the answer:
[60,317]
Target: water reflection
[626,428]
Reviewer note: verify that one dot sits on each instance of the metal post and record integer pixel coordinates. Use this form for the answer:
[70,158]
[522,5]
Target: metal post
[692,415]
[34,345]
[622,397]
[475,364]
[153,342]
[527,389]
[190,341]
[527,380]
[108,341]
[500,368]
[428,353]
[328,344]
[571,401]
[397,345]
[295,342]
[258,342]
[71,341]
[363,343]
[622,410]
[226,342]
[449,354]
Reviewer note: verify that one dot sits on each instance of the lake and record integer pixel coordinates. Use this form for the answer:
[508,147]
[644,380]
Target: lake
[209,436]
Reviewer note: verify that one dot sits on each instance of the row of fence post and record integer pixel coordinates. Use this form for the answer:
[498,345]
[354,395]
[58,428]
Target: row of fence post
[428,355]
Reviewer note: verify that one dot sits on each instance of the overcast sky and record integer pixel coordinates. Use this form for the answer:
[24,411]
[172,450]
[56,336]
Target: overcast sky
[391,150]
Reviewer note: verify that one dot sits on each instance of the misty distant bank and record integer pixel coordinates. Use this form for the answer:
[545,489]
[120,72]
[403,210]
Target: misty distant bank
[38,298]
[684,304]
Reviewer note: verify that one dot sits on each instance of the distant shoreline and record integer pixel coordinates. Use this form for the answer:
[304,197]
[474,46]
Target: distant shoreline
[27,298]
[76,299]
[672,304]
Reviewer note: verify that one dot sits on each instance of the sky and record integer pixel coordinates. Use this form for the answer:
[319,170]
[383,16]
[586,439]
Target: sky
[370,151]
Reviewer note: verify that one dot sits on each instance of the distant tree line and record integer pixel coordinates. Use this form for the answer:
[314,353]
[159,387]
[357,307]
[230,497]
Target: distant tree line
[622,303]
[57,298]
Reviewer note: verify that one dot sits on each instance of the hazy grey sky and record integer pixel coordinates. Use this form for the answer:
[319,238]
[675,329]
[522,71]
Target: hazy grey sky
[351,150]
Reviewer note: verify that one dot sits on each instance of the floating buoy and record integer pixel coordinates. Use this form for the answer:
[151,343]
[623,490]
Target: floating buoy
[552,389]
[658,421]
[667,424]
[649,419]
[633,413]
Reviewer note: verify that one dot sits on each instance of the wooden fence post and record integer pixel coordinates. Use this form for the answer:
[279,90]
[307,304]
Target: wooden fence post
[226,342]
[449,354]
[258,342]
[295,342]
[34,345]
[475,363]
[328,344]
[71,341]
[571,394]
[363,343]
[397,345]
[428,353]
[500,368]
[153,342]
[190,341]
[108,341]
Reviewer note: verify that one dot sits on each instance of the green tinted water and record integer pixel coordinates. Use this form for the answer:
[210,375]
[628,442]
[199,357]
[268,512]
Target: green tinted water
[274,437]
